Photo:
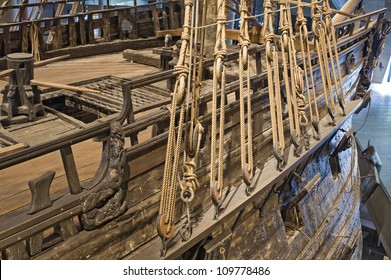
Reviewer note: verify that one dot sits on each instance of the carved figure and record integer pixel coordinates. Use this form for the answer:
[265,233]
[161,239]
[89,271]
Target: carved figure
[106,200]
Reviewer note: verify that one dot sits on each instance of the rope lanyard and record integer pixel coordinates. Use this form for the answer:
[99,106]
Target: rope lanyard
[330,30]
[244,69]
[220,52]
[195,129]
[305,52]
[166,217]
[318,28]
[273,77]
[288,58]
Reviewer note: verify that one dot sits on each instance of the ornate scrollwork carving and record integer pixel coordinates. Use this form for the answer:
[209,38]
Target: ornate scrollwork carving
[349,62]
[372,50]
[105,199]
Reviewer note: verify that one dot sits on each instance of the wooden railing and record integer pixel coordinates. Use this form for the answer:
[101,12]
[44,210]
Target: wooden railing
[347,27]
[47,34]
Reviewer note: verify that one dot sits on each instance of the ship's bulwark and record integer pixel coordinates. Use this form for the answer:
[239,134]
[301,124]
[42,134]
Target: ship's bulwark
[308,209]
[323,224]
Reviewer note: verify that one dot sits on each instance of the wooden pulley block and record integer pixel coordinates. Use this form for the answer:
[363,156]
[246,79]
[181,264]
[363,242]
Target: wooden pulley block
[215,192]
[164,229]
[247,174]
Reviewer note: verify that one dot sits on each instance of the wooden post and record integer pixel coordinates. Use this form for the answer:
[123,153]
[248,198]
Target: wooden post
[34,244]
[58,37]
[165,20]
[210,32]
[135,8]
[91,38]
[82,30]
[133,21]
[155,18]
[106,26]
[70,170]
[7,40]
[173,21]
[72,32]
[121,18]
[25,37]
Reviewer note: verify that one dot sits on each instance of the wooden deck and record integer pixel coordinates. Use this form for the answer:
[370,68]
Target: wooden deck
[14,191]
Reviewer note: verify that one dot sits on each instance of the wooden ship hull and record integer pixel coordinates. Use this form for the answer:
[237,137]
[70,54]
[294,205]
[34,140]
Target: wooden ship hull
[303,206]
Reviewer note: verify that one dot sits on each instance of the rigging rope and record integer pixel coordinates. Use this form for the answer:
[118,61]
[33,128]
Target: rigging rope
[318,27]
[244,68]
[330,30]
[305,52]
[273,76]
[220,52]
[288,51]
[166,217]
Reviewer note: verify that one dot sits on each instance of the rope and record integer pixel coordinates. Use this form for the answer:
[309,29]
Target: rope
[166,218]
[303,36]
[273,77]
[323,49]
[286,51]
[244,68]
[318,28]
[220,52]
[330,29]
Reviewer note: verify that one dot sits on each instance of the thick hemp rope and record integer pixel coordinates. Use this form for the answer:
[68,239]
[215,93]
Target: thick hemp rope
[244,69]
[273,77]
[220,52]
[166,217]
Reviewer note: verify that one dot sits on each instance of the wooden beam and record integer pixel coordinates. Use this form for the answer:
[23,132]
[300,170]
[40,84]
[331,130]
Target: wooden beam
[5,73]
[70,169]
[50,60]
[12,149]
[61,86]
[172,32]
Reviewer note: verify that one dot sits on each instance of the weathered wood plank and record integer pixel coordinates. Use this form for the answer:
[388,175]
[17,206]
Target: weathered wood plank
[12,149]
[25,38]
[34,244]
[106,27]
[91,35]
[58,42]
[82,30]
[15,252]
[155,18]
[66,228]
[70,170]
[72,37]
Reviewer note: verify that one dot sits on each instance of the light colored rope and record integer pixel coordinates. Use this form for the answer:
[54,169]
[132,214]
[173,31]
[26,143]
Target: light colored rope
[244,68]
[170,175]
[238,19]
[220,52]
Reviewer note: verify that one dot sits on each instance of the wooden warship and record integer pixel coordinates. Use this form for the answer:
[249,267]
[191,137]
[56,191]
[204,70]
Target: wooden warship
[246,155]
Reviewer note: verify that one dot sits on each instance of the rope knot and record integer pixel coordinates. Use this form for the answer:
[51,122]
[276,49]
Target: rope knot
[185,36]
[189,3]
[221,18]
[181,70]
[220,54]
